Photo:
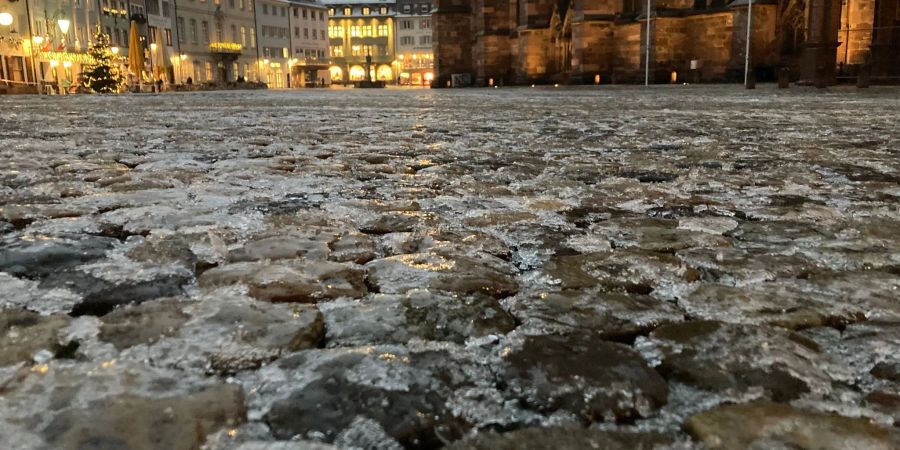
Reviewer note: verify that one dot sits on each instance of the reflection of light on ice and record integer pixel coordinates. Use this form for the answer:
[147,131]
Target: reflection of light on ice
[108,364]
[41,368]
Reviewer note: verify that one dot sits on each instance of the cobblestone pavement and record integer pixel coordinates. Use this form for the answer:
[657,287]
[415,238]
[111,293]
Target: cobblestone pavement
[480,269]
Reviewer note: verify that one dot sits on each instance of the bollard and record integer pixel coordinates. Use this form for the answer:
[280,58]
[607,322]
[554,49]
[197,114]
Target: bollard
[863,78]
[784,78]
[751,80]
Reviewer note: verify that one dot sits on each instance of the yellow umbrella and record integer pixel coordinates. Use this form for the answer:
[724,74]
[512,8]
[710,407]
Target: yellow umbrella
[162,58]
[135,53]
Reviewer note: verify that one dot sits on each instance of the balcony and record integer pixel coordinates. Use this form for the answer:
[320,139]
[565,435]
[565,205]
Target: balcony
[225,47]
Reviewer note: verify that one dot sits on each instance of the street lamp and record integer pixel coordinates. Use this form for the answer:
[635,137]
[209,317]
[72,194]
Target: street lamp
[114,50]
[64,27]
[6,19]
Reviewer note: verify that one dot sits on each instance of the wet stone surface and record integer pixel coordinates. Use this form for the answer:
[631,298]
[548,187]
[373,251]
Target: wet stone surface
[685,267]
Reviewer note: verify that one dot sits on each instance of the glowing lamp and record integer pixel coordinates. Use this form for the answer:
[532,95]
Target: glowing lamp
[54,63]
[67,64]
[38,40]
[114,50]
[153,46]
[63,25]
[183,56]
[6,19]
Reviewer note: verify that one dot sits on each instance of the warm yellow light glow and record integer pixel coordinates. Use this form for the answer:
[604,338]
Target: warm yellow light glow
[114,50]
[153,46]
[54,63]
[64,25]
[225,47]
[183,57]
[67,64]
[6,19]
[674,77]
[38,40]
[429,76]
[336,73]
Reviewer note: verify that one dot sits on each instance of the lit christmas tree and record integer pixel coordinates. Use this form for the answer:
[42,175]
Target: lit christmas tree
[103,75]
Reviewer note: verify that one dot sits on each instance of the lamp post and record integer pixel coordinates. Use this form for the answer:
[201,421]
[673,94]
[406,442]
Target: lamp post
[64,25]
[33,41]
[647,49]
[747,51]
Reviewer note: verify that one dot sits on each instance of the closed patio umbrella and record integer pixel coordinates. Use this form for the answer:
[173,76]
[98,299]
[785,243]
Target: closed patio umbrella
[162,56]
[136,53]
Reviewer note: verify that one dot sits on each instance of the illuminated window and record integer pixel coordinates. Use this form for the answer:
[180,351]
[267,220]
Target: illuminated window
[382,30]
[330,11]
[366,11]
[383,10]
[356,31]
[348,11]
[357,73]
[337,52]
[367,30]
[336,73]
[356,50]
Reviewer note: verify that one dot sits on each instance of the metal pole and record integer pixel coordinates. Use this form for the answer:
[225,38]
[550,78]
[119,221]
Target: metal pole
[747,52]
[647,49]
[34,62]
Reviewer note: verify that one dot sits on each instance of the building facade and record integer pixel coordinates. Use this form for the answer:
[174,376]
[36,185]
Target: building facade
[358,29]
[196,41]
[413,42]
[309,41]
[583,41]
[216,41]
[274,41]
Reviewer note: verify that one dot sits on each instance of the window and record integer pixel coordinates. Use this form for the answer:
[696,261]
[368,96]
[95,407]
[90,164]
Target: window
[406,24]
[252,40]
[348,11]
[168,34]
[166,12]
[284,53]
[234,34]
[337,52]
[367,30]
[151,31]
[295,12]
[424,40]
[241,4]
[283,11]
[265,8]
[356,31]
[424,8]
[366,11]
[194,31]
[208,71]
[180,24]
[204,31]
[243,37]
[407,9]
[296,32]
[383,10]
[153,7]
[315,36]
[382,30]
[306,33]
[322,16]
[407,40]
[231,5]
[330,11]
[304,13]
[356,50]
[219,32]
[425,24]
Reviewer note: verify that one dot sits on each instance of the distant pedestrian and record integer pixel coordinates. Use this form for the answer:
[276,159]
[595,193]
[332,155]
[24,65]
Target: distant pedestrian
[190,81]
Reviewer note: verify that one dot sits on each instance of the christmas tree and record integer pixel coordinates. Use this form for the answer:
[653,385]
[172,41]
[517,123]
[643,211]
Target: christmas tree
[102,76]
